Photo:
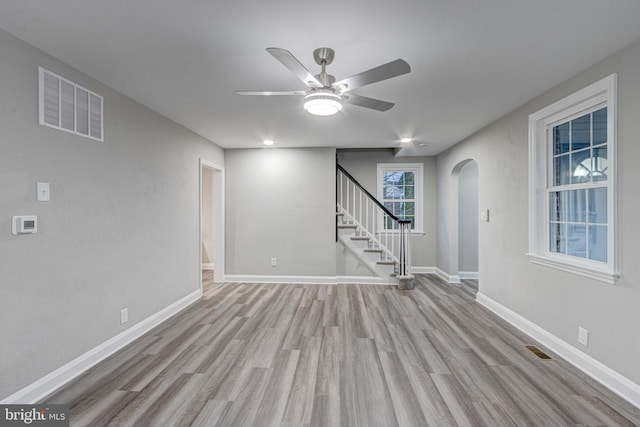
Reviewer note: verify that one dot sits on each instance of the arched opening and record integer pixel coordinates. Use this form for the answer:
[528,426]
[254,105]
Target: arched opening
[468,214]
[463,236]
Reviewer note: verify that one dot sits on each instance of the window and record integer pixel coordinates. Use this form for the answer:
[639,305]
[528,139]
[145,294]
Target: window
[572,183]
[69,107]
[400,191]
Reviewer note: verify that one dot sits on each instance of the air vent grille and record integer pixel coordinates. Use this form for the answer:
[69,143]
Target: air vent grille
[535,350]
[69,107]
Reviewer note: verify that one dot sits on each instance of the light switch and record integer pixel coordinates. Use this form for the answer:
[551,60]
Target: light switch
[43,192]
[484,215]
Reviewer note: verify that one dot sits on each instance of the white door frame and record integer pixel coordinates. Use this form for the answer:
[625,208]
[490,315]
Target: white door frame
[218,218]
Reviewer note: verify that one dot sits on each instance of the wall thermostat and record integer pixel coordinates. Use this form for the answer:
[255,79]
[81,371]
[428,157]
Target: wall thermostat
[25,224]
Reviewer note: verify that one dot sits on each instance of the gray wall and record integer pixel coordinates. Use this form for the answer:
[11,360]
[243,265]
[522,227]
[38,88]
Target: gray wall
[556,301]
[363,166]
[280,203]
[468,217]
[121,229]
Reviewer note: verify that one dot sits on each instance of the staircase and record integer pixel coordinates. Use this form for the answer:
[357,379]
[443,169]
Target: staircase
[378,238]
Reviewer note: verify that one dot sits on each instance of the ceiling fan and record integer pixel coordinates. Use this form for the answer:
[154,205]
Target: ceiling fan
[325,96]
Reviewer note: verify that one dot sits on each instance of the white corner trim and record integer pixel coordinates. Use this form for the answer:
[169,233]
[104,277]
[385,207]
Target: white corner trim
[611,379]
[471,275]
[208,266]
[450,278]
[48,384]
[248,278]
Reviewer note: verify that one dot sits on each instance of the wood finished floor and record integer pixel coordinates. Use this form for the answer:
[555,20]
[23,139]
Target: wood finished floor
[346,355]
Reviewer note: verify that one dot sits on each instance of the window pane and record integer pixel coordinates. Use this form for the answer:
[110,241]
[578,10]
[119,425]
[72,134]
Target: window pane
[580,132]
[409,208]
[558,238]
[577,240]
[561,170]
[555,214]
[577,211]
[581,166]
[397,208]
[391,177]
[598,242]
[600,126]
[409,178]
[409,192]
[392,192]
[598,205]
[599,164]
[561,139]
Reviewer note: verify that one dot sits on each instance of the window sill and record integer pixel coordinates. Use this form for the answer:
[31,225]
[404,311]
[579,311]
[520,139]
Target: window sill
[601,275]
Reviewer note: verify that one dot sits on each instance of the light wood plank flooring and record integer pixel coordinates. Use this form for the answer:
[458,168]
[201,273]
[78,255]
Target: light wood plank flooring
[347,355]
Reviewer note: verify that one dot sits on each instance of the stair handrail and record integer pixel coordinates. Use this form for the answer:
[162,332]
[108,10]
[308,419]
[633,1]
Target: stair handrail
[373,199]
[404,226]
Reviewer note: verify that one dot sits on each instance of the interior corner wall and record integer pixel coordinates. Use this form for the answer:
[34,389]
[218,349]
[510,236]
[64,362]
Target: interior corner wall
[280,203]
[556,301]
[363,166]
[121,229]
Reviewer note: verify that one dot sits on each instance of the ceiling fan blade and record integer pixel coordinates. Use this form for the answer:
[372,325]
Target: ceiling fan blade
[363,101]
[383,72]
[288,60]
[270,92]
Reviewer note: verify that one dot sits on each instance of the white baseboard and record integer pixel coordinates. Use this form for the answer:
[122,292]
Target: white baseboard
[616,382]
[423,270]
[48,384]
[451,278]
[208,266]
[366,280]
[248,278]
[310,280]
[470,275]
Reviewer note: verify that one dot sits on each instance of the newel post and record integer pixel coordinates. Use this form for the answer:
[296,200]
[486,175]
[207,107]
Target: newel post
[405,278]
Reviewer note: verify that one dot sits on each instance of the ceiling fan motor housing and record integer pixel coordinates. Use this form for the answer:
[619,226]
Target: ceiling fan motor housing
[324,55]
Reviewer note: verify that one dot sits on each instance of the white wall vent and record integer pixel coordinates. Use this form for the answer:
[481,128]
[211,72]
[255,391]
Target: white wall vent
[68,107]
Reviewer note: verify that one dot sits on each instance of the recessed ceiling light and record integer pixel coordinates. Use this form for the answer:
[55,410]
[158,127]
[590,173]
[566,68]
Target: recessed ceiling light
[267,142]
[405,140]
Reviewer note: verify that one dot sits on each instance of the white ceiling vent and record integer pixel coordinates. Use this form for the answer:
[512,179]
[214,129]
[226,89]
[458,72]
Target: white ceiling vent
[69,107]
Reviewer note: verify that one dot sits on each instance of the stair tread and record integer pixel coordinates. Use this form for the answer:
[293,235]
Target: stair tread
[373,250]
[347,226]
[360,238]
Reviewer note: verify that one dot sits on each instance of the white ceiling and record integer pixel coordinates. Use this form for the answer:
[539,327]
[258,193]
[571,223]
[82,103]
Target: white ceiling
[472,60]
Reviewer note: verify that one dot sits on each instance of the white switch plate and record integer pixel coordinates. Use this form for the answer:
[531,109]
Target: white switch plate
[44,194]
[274,262]
[124,315]
[484,215]
[583,336]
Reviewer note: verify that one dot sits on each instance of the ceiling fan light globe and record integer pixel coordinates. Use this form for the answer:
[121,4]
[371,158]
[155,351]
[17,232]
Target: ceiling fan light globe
[322,104]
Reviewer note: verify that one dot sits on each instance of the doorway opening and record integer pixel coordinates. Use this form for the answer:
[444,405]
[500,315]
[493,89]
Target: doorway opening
[211,262]
[464,234]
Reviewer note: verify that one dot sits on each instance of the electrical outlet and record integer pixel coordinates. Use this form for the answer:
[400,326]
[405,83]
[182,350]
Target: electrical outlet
[583,336]
[274,262]
[124,315]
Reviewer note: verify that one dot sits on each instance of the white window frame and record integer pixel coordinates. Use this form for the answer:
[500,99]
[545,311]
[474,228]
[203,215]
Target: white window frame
[600,94]
[418,169]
